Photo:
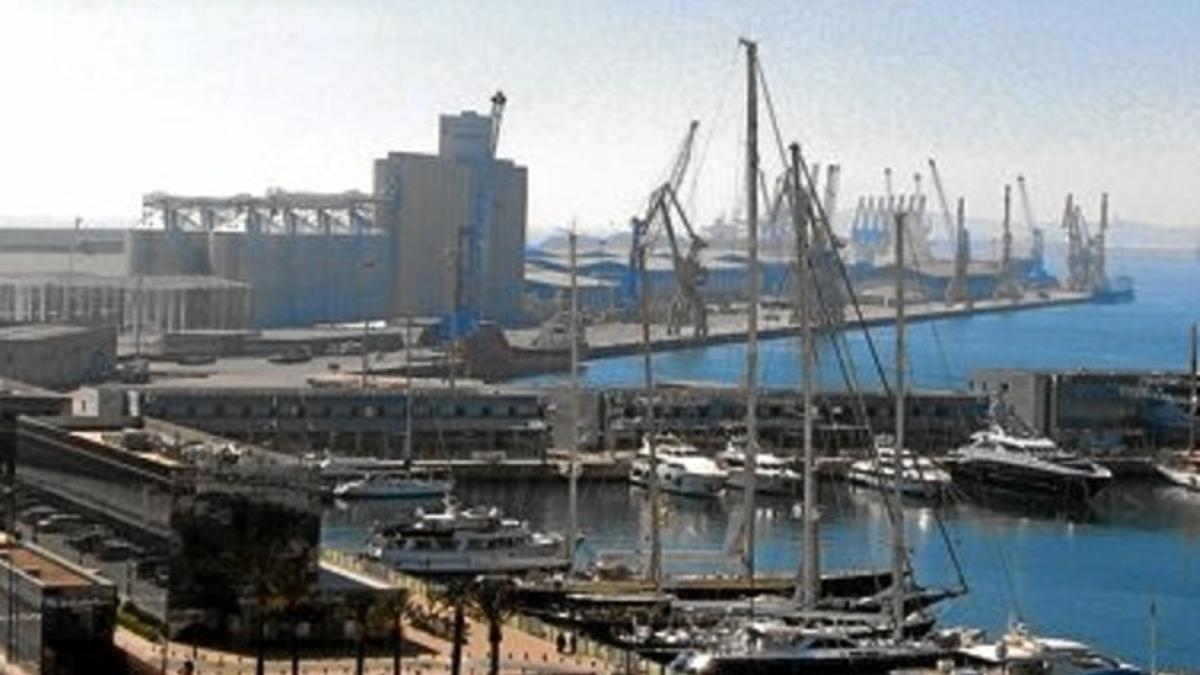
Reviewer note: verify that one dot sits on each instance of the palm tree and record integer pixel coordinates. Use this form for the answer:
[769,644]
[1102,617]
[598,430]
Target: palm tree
[388,612]
[456,594]
[360,603]
[491,598]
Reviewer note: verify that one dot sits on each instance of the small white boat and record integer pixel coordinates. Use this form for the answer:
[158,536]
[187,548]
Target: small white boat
[773,475]
[1182,470]
[458,541]
[1020,651]
[919,477]
[681,469]
[409,484]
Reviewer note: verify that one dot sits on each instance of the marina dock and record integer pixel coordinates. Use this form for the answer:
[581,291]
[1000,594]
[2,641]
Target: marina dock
[624,338]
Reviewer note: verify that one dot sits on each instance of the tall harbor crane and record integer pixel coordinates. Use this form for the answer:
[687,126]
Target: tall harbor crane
[1007,287]
[469,259]
[1037,249]
[956,290]
[662,211]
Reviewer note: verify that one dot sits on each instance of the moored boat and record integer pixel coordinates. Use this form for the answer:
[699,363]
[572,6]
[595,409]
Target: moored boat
[919,476]
[1025,466]
[774,475]
[1181,470]
[681,468]
[408,484]
[458,541]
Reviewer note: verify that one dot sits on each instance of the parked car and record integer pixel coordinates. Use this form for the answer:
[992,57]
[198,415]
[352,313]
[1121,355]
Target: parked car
[60,523]
[34,514]
[113,550]
[88,539]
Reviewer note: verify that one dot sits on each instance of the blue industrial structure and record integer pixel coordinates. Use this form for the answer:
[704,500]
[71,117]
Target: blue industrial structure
[309,258]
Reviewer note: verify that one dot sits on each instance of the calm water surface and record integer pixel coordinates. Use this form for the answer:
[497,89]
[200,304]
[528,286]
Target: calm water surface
[1092,576]
[1150,332]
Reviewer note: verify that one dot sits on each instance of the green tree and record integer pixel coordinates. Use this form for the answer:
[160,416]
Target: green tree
[492,600]
[388,613]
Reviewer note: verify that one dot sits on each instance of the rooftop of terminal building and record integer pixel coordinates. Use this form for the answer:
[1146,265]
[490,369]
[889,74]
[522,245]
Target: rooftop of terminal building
[43,567]
[10,387]
[128,282]
[168,446]
[35,332]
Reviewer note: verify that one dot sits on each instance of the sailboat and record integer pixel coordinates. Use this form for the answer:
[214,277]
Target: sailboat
[811,646]
[1183,469]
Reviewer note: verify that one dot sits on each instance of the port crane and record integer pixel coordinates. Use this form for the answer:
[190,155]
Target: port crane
[1037,248]
[663,210]
[468,259]
[1006,282]
[956,291]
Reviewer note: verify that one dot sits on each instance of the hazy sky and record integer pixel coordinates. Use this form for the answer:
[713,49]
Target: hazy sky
[104,101]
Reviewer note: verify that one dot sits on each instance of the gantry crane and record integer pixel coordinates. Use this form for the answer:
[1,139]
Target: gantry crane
[957,290]
[662,210]
[1007,287]
[1037,248]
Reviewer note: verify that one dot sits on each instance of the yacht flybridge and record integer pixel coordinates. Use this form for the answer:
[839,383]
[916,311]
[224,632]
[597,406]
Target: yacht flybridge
[919,476]
[681,468]
[774,475]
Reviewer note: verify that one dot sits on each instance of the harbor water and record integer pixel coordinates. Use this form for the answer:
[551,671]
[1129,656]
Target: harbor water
[1105,576]
[1110,576]
[1149,333]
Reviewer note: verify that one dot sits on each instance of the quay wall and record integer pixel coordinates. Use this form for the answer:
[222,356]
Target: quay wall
[623,342]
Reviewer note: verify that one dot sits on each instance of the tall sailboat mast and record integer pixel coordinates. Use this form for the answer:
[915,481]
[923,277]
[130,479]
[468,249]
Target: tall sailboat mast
[752,309]
[809,589]
[898,551]
[572,465]
[654,571]
[1193,398]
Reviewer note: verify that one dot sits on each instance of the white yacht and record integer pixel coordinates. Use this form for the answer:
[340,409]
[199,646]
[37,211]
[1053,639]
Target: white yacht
[1024,465]
[457,541]
[408,484]
[682,469]
[919,477]
[1182,470]
[1020,651]
[773,475]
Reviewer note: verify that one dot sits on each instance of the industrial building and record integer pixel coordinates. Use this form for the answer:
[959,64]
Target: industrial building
[1093,410]
[197,532]
[17,399]
[59,617]
[710,416]
[150,304]
[57,356]
[458,220]
[306,258]
[466,422]
[442,235]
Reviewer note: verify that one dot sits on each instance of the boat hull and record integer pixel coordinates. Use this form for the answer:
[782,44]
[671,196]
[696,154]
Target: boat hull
[676,482]
[816,662]
[766,484]
[994,478]
[918,489]
[1179,477]
[414,490]
[462,563]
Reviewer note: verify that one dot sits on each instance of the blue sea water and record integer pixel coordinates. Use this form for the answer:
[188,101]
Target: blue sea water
[1150,332]
[1104,577]
[1092,577]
